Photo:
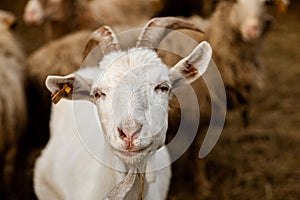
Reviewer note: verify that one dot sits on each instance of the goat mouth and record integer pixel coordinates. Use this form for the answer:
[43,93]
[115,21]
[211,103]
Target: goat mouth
[133,151]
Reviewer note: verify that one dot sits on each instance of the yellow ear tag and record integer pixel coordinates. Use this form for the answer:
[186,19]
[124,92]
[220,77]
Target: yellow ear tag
[64,92]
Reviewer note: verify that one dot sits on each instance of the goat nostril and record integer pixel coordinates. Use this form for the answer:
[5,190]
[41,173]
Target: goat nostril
[137,132]
[253,31]
[129,134]
[121,134]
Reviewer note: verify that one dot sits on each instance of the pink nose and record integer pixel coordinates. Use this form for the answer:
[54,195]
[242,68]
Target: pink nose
[253,31]
[31,17]
[129,134]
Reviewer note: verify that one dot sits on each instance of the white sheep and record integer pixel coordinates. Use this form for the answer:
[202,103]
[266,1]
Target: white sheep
[64,16]
[130,91]
[13,112]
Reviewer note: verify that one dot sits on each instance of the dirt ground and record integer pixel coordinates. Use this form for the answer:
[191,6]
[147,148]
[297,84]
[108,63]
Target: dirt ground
[261,161]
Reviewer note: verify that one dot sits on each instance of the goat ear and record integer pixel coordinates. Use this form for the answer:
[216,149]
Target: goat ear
[72,87]
[190,68]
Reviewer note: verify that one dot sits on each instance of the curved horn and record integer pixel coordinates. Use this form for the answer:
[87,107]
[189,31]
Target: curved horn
[157,28]
[105,38]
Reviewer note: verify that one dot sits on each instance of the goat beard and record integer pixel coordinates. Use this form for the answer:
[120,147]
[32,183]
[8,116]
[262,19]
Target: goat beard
[133,181]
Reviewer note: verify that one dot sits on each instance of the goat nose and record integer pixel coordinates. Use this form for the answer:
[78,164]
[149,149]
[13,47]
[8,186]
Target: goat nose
[130,133]
[253,31]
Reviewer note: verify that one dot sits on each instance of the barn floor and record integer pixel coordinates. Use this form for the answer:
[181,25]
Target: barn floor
[260,162]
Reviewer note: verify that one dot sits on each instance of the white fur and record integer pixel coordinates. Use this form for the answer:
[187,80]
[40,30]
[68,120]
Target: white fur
[65,163]
[66,170]
[129,80]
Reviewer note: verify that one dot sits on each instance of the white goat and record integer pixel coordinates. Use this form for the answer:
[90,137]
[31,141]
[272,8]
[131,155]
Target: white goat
[130,91]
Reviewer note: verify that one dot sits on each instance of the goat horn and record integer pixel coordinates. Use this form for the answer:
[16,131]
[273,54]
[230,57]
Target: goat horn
[105,38]
[157,28]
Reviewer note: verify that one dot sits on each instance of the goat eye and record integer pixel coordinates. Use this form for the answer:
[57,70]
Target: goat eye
[97,94]
[164,87]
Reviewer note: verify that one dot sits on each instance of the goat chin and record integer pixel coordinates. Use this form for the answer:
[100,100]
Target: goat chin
[132,159]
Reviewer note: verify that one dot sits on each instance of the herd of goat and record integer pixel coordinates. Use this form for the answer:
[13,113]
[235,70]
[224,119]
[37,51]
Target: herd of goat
[132,68]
